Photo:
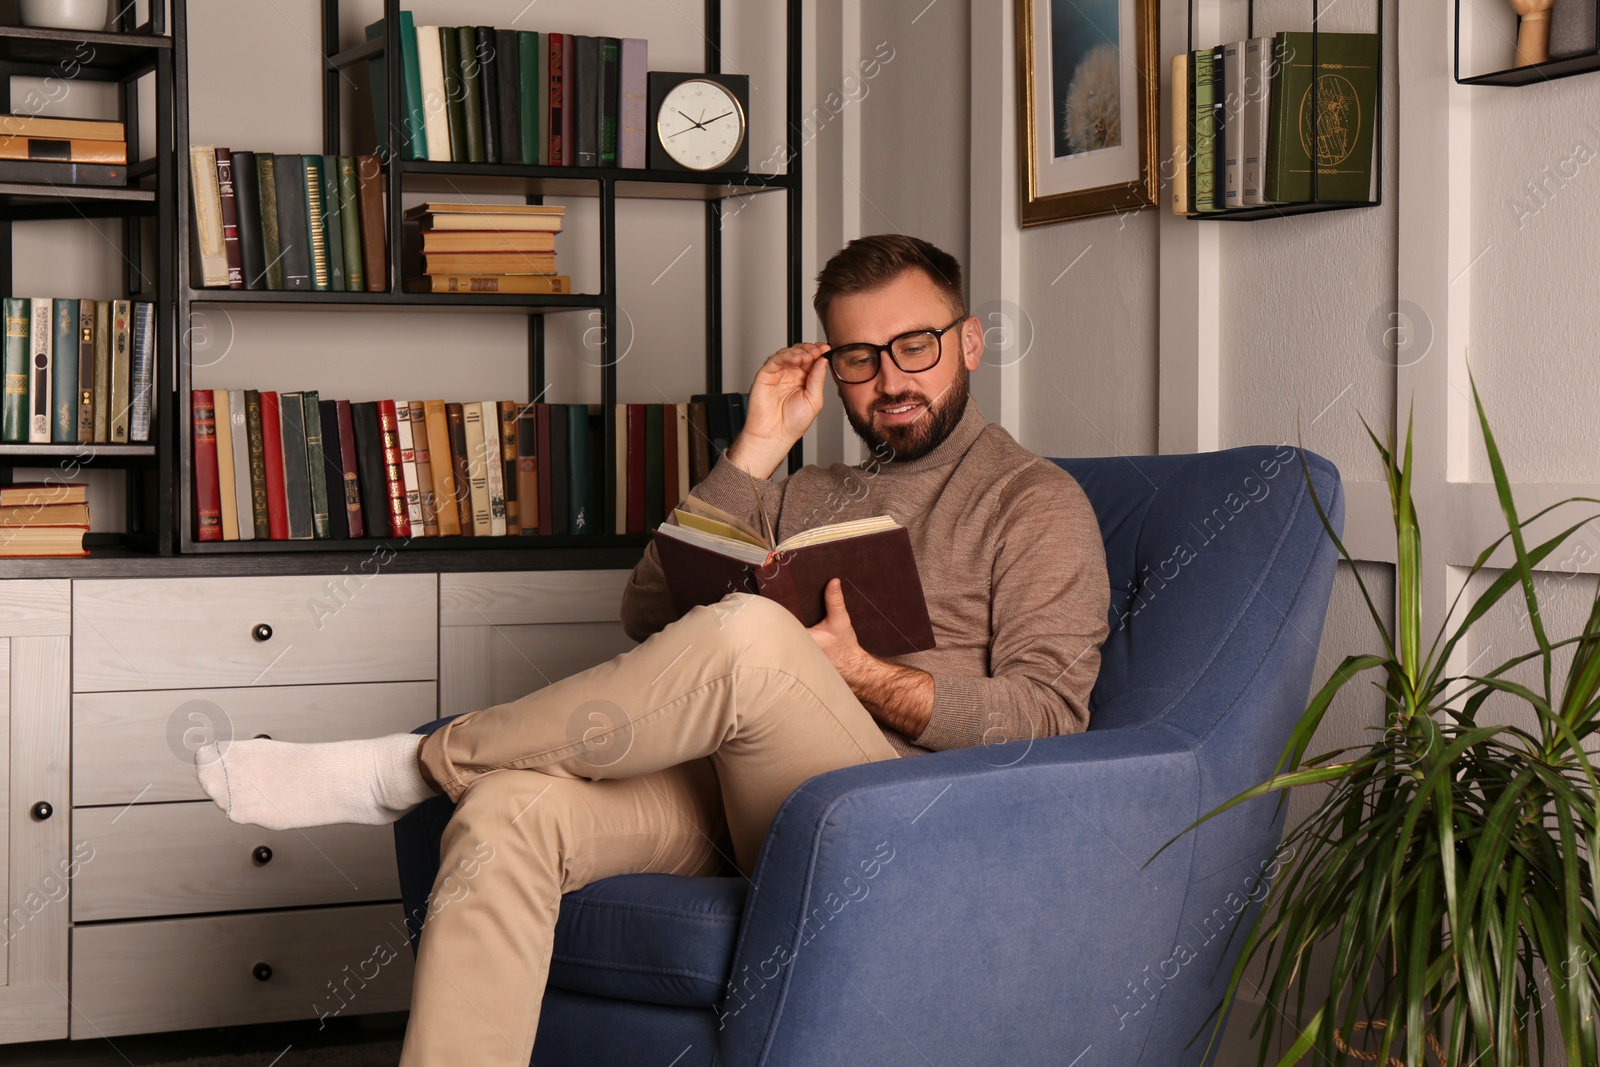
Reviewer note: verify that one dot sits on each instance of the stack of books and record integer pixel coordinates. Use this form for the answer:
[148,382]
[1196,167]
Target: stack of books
[1243,112]
[477,94]
[304,223]
[482,248]
[61,151]
[78,371]
[43,519]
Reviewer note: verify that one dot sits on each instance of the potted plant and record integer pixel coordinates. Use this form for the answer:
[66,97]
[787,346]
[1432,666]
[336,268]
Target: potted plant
[1450,871]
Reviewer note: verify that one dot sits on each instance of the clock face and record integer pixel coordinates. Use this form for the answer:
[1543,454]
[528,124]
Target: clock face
[700,124]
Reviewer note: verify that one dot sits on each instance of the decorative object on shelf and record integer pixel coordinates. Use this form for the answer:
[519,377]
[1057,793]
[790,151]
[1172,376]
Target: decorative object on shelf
[1455,848]
[1533,31]
[1572,26]
[699,121]
[1087,108]
[65,14]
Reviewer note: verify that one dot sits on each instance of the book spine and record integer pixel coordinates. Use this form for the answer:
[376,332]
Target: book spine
[102,371]
[272,455]
[560,471]
[610,98]
[422,448]
[40,338]
[529,113]
[210,257]
[669,459]
[508,90]
[580,507]
[64,372]
[619,468]
[243,486]
[64,150]
[1219,129]
[435,101]
[456,425]
[229,210]
[372,482]
[1182,133]
[699,442]
[332,470]
[508,465]
[1252,90]
[416,122]
[76,129]
[293,232]
[271,241]
[207,494]
[554,120]
[454,92]
[471,103]
[408,466]
[247,202]
[296,470]
[594,416]
[350,470]
[227,500]
[44,172]
[541,416]
[1233,124]
[490,283]
[493,471]
[477,475]
[1204,164]
[316,218]
[86,313]
[637,428]
[374,243]
[14,410]
[316,465]
[141,371]
[260,508]
[586,124]
[633,132]
[527,471]
[441,461]
[121,363]
[654,468]
[355,276]
[684,484]
[333,223]
[393,473]
[488,75]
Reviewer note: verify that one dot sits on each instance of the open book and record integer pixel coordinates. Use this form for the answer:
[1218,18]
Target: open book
[711,553]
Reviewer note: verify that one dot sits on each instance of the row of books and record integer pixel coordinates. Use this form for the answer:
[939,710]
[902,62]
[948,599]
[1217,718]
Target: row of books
[287,222]
[43,519]
[78,371]
[477,94]
[482,248]
[62,151]
[1243,113]
[294,466]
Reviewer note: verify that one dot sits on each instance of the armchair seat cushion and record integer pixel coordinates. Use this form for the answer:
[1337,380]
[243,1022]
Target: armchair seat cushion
[655,938]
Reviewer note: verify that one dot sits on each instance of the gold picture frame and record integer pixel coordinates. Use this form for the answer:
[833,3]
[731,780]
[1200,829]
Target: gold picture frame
[1090,160]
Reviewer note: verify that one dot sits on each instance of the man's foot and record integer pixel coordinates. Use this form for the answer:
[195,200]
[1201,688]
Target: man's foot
[281,786]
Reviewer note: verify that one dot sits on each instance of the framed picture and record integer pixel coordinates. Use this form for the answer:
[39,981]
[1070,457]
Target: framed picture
[1088,85]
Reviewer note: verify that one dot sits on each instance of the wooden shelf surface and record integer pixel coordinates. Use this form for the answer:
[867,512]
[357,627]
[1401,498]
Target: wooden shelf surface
[115,53]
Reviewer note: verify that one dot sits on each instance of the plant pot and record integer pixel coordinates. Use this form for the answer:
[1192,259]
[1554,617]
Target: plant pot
[65,14]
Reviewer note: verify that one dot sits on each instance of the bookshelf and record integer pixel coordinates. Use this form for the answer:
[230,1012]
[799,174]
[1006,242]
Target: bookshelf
[1316,203]
[1534,73]
[137,58]
[607,185]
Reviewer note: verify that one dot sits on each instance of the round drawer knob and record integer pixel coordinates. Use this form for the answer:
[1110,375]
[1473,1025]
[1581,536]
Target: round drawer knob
[41,811]
[261,632]
[262,855]
[262,971]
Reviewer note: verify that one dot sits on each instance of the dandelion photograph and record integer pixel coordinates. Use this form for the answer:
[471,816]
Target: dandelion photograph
[1086,75]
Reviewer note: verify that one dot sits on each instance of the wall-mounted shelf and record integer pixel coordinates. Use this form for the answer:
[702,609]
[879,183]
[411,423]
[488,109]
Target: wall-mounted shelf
[1316,204]
[1535,73]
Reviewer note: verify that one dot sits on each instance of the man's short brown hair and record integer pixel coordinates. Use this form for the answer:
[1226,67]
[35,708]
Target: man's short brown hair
[868,263]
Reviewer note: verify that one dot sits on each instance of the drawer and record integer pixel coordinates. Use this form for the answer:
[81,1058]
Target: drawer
[140,746]
[182,859]
[183,633]
[180,974]
[499,598]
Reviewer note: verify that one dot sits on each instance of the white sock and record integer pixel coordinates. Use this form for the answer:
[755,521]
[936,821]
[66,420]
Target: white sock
[280,785]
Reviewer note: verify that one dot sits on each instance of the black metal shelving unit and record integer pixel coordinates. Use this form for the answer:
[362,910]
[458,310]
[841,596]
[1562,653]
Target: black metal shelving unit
[533,183]
[122,56]
[1534,73]
[1315,204]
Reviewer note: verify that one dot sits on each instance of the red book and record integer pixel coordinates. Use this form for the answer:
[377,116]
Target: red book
[393,476]
[541,417]
[669,458]
[636,456]
[207,491]
[554,118]
[272,445]
[230,218]
[347,462]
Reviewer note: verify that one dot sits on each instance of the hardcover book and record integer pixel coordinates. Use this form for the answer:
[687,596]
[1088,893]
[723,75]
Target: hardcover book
[64,372]
[271,239]
[508,86]
[40,339]
[14,412]
[1337,117]
[393,474]
[86,317]
[488,90]
[102,370]
[243,483]
[247,200]
[296,472]
[472,102]
[1203,163]
[527,471]
[207,498]
[272,456]
[372,483]
[350,471]
[333,223]
[422,450]
[508,464]
[293,233]
[232,254]
[316,464]
[333,471]
[447,511]
[454,93]
[477,473]
[207,255]
[141,370]
[436,137]
[121,365]
[227,498]
[261,509]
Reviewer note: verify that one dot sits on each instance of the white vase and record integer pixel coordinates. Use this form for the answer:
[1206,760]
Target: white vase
[65,14]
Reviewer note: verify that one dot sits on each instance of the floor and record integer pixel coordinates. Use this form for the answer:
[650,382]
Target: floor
[363,1041]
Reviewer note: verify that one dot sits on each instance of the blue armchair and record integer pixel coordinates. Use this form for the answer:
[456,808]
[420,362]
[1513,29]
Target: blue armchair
[993,905]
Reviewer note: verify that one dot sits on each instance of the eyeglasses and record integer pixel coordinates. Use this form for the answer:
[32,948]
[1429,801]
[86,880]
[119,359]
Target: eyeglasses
[912,352]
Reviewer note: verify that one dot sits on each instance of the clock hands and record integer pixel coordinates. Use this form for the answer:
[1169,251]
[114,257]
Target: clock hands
[701,125]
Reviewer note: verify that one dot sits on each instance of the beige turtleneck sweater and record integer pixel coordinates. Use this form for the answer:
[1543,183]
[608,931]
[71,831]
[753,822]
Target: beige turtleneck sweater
[1012,567]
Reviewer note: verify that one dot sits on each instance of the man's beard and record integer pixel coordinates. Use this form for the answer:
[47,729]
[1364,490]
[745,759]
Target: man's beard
[921,436]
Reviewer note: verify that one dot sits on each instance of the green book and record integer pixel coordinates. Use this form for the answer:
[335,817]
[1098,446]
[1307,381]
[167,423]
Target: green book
[316,234]
[454,93]
[1345,108]
[472,103]
[378,75]
[581,517]
[64,373]
[355,279]
[655,482]
[333,223]
[610,100]
[316,465]
[416,133]
[271,245]
[14,407]
[531,63]
[1204,163]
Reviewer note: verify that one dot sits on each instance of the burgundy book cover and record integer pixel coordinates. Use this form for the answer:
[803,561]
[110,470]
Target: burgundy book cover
[528,470]
[541,416]
[393,476]
[554,125]
[351,468]
[671,497]
[882,588]
[455,415]
[230,218]
[272,445]
[636,468]
[207,492]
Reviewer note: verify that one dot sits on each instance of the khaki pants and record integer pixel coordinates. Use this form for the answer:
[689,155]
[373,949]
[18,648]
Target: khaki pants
[661,759]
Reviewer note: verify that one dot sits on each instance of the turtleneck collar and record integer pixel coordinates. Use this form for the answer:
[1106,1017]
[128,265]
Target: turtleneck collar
[949,450]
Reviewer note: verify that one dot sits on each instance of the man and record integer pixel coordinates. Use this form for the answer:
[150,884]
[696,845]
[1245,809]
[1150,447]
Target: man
[680,751]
